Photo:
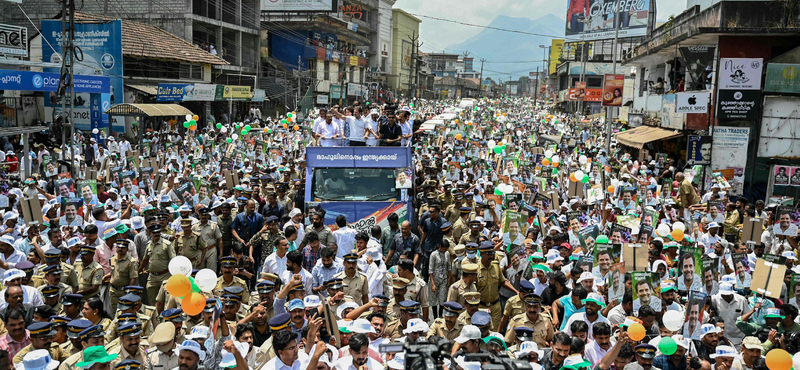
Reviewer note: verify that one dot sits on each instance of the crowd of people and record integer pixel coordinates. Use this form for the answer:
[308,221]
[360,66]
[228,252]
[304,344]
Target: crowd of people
[529,239]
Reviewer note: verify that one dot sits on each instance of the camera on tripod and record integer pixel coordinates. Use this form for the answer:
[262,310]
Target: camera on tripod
[501,362]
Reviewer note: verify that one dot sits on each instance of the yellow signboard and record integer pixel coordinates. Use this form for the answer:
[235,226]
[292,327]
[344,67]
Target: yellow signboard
[556,47]
[353,60]
[236,92]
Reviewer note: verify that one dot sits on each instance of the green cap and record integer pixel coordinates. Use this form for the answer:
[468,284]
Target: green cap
[93,355]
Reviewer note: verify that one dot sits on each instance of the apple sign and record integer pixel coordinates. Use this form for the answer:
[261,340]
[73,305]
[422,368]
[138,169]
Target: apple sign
[692,100]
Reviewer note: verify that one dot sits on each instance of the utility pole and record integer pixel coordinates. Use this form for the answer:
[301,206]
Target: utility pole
[536,92]
[613,71]
[481,84]
[66,85]
[299,69]
[414,39]
[466,54]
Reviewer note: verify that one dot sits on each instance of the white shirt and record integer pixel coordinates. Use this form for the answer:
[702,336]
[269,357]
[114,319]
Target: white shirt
[301,232]
[358,126]
[539,286]
[308,281]
[407,129]
[581,316]
[345,240]
[15,258]
[30,295]
[346,363]
[277,364]
[594,353]
[327,131]
[274,264]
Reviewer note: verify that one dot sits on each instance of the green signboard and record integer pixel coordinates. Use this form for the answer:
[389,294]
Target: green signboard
[336,91]
[783,78]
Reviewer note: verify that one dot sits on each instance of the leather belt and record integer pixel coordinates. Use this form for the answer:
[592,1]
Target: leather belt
[490,303]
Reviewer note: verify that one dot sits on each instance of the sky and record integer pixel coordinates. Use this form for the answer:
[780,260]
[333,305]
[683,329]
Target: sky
[439,35]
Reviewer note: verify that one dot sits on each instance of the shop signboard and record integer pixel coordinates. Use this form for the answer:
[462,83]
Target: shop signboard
[739,104]
[171,92]
[101,46]
[599,16]
[336,91]
[740,73]
[317,6]
[233,92]
[782,78]
[14,41]
[692,102]
[259,95]
[729,147]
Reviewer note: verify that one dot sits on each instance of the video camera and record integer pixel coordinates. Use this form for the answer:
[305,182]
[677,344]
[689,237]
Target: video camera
[497,362]
[422,355]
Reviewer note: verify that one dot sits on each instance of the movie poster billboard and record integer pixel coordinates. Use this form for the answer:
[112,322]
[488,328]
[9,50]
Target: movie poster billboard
[596,19]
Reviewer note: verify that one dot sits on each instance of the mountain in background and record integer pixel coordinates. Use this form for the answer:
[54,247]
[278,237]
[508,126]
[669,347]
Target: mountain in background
[495,45]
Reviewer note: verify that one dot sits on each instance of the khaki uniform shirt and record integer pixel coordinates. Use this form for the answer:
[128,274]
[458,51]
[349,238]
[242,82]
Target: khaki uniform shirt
[439,327]
[465,318]
[542,329]
[123,270]
[55,353]
[417,291]
[89,276]
[140,355]
[460,228]
[394,330]
[192,247]
[68,275]
[489,280]
[468,238]
[221,284]
[457,290]
[161,361]
[62,289]
[159,254]
[265,353]
[355,286]
[514,307]
[69,363]
[209,232]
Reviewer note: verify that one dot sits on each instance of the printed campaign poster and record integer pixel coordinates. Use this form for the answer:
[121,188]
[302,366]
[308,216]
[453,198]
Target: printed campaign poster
[644,289]
[50,166]
[88,192]
[690,268]
[794,289]
[64,187]
[541,201]
[741,270]
[513,202]
[588,237]
[514,229]
[616,282]
[620,234]
[71,211]
[606,256]
[694,315]
[129,183]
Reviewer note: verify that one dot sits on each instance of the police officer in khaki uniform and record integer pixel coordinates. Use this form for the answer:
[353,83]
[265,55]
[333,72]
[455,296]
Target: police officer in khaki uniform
[453,211]
[524,334]
[129,304]
[166,231]
[90,273]
[189,244]
[409,310]
[238,291]
[465,285]
[41,336]
[473,302]
[515,305]
[71,306]
[227,279]
[417,291]
[73,343]
[149,311]
[446,198]
[90,337]
[122,320]
[164,357]
[448,326]
[51,296]
[52,277]
[53,258]
[534,319]
[490,279]
[267,352]
[336,296]
[472,255]
[156,259]
[129,329]
[212,236]
[176,317]
[124,271]
[473,235]
[399,293]
[355,281]
[460,226]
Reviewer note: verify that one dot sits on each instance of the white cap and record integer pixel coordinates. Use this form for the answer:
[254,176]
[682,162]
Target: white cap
[416,326]
[294,212]
[529,347]
[681,341]
[726,289]
[311,301]
[468,332]
[586,275]
[193,346]
[707,329]
[344,306]
[724,351]
[399,361]
[39,360]
[363,326]
[12,274]
[198,332]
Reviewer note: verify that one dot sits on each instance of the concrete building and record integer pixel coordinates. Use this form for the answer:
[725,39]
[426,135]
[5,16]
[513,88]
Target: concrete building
[231,27]
[404,27]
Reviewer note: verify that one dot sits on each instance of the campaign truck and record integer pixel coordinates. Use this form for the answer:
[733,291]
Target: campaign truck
[366,184]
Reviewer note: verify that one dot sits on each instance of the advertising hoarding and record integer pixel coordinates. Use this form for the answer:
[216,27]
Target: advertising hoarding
[594,19]
[299,6]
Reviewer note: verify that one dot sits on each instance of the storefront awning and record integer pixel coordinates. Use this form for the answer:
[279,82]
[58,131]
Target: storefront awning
[148,110]
[637,137]
[147,89]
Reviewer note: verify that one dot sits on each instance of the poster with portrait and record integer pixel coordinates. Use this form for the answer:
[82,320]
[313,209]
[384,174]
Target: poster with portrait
[71,212]
[787,221]
[620,234]
[50,166]
[403,179]
[694,315]
[645,232]
[588,238]
[644,291]
[782,175]
[710,267]
[541,201]
[129,183]
[185,191]
[513,202]
[519,187]
[65,188]
[794,289]
[616,282]
[690,269]
[577,220]
[649,218]
[87,191]
[741,270]
[515,228]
